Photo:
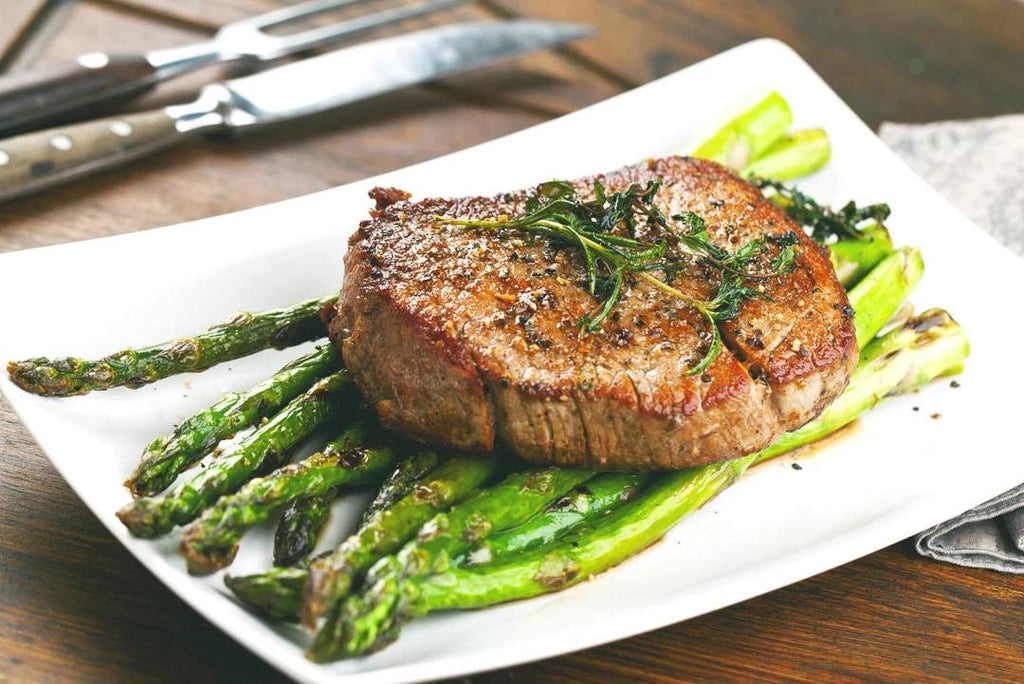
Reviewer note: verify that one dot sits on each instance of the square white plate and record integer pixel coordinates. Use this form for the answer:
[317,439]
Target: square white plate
[899,472]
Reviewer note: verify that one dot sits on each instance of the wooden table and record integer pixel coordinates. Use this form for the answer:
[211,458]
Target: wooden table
[75,606]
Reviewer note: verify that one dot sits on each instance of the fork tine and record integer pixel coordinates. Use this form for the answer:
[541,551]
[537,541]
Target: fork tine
[293,12]
[315,36]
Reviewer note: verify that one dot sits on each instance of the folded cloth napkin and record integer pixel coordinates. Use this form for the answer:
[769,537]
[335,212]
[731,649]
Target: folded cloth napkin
[979,166]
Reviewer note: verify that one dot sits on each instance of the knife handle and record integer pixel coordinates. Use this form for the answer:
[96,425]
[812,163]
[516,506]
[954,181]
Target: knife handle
[33,97]
[37,160]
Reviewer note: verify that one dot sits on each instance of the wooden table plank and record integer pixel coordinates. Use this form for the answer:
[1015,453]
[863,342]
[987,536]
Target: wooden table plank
[912,60]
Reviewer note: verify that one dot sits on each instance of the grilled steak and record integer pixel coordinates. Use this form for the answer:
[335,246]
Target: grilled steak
[470,338]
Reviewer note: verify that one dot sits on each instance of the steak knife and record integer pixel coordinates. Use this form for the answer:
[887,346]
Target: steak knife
[37,160]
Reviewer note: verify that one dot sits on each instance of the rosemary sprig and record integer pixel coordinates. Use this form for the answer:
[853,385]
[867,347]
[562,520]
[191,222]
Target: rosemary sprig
[605,230]
[825,224]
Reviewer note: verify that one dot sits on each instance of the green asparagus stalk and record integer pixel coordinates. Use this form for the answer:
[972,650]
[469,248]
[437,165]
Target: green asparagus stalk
[407,473]
[211,542]
[167,457]
[331,577]
[276,593]
[854,259]
[263,450]
[303,520]
[516,499]
[587,502]
[243,334]
[878,296]
[930,346]
[799,153]
[577,556]
[511,502]
[748,135]
[300,526]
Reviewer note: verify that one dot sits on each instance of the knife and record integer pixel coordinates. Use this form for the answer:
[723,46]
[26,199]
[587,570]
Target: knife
[37,160]
[32,99]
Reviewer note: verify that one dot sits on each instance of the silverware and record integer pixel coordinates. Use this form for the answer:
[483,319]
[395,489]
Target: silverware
[34,97]
[36,160]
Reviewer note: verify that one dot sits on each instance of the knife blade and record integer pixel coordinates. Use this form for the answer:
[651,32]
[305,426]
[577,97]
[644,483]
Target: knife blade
[37,160]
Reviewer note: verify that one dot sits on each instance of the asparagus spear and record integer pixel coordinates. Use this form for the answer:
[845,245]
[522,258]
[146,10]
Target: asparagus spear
[877,297]
[243,334]
[331,577]
[276,593]
[513,501]
[799,153]
[301,524]
[261,451]
[587,502]
[211,542]
[747,135]
[305,517]
[167,457]
[929,346]
[854,259]
[407,473]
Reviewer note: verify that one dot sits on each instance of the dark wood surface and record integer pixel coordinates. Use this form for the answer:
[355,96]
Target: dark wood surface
[76,607]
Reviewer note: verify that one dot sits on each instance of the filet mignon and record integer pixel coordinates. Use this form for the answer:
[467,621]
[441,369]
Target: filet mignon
[470,338]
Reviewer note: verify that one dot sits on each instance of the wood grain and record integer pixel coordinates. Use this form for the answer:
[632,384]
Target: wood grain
[76,607]
[912,60]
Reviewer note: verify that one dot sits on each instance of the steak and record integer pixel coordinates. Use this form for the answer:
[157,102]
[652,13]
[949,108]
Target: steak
[471,337]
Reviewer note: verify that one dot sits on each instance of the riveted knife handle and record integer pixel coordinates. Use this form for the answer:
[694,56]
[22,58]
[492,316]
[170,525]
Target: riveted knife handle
[37,160]
[32,98]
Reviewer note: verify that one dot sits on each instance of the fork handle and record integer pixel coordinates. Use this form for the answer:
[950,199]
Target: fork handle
[37,160]
[34,97]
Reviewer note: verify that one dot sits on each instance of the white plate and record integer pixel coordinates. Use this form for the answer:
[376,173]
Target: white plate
[899,472]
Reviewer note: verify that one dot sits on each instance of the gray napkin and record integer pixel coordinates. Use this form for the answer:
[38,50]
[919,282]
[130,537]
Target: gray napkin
[979,166]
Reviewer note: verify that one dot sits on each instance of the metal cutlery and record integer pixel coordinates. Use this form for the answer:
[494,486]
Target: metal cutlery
[36,160]
[35,97]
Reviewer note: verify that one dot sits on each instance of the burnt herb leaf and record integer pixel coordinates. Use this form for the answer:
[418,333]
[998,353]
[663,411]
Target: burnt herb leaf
[824,224]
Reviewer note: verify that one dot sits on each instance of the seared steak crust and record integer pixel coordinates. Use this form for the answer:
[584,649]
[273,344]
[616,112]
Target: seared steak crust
[466,338]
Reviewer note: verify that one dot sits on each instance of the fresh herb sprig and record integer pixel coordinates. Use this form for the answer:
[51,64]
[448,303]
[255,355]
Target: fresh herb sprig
[605,230]
[825,224]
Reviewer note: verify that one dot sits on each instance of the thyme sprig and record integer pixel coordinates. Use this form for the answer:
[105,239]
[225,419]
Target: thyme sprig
[605,230]
[825,224]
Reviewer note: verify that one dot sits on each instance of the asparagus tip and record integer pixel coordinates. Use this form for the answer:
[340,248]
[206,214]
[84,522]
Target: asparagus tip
[202,558]
[39,376]
[142,519]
